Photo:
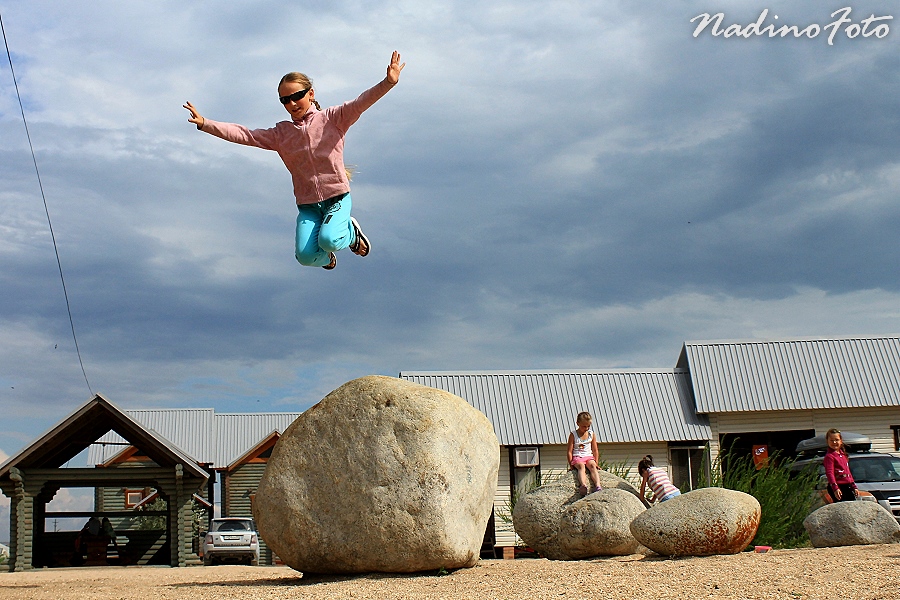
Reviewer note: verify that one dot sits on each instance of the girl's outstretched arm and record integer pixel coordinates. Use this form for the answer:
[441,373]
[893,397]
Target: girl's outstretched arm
[196,118]
[393,70]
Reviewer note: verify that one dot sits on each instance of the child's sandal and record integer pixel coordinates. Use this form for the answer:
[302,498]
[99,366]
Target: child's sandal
[361,246]
[333,262]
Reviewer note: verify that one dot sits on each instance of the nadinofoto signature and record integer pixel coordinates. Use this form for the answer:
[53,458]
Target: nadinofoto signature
[841,21]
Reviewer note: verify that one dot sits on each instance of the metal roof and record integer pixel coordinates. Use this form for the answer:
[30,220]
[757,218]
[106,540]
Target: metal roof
[191,429]
[539,407]
[210,438]
[92,421]
[239,432]
[814,373]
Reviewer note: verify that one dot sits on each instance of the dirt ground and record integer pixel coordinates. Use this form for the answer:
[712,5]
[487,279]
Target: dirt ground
[854,572]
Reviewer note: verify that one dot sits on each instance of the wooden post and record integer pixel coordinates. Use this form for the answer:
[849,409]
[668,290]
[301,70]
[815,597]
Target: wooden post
[179,510]
[19,531]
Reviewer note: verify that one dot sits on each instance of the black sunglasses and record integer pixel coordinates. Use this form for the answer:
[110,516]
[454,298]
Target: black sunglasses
[295,97]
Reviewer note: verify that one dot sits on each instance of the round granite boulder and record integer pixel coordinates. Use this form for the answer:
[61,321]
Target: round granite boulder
[851,523]
[598,525]
[382,475]
[559,524]
[699,523]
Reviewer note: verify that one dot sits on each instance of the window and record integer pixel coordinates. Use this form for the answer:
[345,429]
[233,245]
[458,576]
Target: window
[525,468]
[687,464]
[896,430]
[527,456]
[133,497]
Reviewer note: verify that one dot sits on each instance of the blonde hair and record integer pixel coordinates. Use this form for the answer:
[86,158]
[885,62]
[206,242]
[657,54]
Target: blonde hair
[302,79]
[583,416]
[306,82]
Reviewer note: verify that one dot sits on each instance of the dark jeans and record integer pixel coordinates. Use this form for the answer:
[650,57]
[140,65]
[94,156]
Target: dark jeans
[847,492]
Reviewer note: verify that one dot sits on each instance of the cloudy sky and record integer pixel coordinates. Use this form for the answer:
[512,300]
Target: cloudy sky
[563,184]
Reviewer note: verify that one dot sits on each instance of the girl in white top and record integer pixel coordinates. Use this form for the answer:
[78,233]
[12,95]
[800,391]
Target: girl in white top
[583,453]
[658,480]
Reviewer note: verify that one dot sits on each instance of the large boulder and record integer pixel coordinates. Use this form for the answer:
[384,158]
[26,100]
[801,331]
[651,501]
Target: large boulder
[382,475]
[559,524]
[699,523]
[851,523]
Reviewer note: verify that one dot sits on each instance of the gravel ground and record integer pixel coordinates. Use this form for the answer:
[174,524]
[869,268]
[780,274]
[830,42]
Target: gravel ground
[868,572]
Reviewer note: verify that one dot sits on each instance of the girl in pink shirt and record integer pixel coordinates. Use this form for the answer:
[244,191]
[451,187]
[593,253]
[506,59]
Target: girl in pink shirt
[837,468]
[311,145]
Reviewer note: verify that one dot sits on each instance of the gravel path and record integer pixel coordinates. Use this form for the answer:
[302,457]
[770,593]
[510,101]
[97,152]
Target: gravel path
[863,572]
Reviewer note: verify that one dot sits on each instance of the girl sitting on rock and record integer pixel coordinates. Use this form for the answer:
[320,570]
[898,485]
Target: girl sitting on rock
[583,452]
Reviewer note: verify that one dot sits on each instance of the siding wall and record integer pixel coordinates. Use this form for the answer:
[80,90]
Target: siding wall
[873,422]
[239,485]
[505,534]
[108,499]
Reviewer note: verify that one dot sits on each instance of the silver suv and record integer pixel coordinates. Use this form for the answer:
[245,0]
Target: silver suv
[874,472]
[231,539]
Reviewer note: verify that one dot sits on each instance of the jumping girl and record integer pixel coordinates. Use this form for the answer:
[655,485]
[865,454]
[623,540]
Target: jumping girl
[311,145]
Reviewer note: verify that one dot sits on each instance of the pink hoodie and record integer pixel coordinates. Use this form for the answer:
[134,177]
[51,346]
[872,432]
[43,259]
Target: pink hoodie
[837,469]
[312,148]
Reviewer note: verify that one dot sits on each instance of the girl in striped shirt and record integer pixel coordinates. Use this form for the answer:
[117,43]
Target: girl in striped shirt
[658,480]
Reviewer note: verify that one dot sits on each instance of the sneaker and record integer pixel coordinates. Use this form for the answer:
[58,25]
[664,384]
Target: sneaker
[333,262]
[597,488]
[361,245]
[582,490]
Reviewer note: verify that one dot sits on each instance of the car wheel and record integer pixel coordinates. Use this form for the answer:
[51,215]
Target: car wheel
[207,560]
[254,562]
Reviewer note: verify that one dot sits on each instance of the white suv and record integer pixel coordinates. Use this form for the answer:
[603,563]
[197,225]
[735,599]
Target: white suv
[231,538]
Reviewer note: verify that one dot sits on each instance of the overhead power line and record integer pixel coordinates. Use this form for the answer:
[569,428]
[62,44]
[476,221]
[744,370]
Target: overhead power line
[46,209]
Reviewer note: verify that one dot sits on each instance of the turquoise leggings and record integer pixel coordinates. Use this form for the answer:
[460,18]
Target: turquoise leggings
[322,228]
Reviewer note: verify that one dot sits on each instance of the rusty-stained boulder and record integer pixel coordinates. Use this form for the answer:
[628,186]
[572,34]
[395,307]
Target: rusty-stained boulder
[851,523]
[700,523]
[382,475]
[559,524]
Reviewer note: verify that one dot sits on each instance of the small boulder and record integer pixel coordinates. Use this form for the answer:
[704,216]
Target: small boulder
[559,524]
[851,523]
[703,522]
[382,475]
[536,518]
[598,525]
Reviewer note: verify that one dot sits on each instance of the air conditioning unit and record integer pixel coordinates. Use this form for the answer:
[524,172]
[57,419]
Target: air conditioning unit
[528,456]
